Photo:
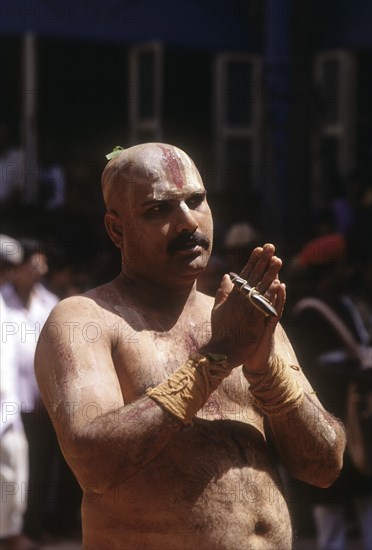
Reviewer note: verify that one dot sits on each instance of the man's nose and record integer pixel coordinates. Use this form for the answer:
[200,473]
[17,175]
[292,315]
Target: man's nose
[185,219]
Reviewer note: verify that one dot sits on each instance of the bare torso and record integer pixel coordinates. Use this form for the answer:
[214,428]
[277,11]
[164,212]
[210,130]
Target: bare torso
[151,481]
[213,486]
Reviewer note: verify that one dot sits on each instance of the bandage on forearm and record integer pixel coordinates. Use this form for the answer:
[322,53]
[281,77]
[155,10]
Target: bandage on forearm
[185,391]
[276,391]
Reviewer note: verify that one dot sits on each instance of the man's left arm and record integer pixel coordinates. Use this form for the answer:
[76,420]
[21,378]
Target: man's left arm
[309,440]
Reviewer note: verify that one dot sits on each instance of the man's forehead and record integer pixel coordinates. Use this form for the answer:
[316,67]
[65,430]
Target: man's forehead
[160,157]
[176,164]
[169,171]
[164,192]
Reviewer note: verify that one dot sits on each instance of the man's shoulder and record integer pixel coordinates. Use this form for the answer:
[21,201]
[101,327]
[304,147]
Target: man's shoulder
[74,308]
[93,304]
[101,292]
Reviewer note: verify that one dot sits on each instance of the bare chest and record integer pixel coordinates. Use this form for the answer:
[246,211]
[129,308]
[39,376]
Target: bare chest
[145,358]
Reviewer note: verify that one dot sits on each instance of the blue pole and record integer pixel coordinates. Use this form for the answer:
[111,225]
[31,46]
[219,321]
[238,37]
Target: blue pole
[276,100]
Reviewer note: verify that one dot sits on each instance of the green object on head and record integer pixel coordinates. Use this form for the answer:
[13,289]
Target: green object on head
[115,152]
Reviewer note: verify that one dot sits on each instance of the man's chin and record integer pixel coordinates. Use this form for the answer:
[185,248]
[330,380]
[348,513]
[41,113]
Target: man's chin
[195,259]
[193,269]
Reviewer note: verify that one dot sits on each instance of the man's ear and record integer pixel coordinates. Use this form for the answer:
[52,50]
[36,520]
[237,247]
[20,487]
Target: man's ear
[114,228]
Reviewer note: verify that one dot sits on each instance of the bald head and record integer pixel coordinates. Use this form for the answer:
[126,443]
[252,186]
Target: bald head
[154,163]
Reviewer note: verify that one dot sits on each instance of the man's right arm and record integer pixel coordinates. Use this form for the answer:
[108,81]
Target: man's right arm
[103,439]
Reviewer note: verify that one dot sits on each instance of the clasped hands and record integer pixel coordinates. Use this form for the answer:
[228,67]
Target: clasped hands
[239,330]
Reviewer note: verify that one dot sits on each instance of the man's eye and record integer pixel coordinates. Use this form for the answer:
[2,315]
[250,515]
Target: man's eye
[158,208]
[194,201]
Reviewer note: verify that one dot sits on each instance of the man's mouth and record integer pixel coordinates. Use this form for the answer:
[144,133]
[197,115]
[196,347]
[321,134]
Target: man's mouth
[186,242]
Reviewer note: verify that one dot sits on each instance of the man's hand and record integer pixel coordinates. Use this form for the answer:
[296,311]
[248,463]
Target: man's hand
[239,330]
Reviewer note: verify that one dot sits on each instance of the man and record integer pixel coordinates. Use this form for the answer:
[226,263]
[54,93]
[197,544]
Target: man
[144,382]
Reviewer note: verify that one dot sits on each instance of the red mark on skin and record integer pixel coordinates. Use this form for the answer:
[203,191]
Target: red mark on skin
[173,164]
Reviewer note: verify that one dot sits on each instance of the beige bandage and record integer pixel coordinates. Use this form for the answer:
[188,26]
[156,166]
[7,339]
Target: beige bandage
[276,391]
[185,391]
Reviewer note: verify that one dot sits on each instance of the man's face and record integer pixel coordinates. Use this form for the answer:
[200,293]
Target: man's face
[166,219]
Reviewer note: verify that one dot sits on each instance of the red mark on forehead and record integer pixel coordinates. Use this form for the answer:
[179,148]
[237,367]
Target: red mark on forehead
[174,166]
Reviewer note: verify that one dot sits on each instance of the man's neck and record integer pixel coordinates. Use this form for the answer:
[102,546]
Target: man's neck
[145,293]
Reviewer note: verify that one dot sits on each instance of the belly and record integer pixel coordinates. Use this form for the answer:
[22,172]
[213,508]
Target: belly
[212,488]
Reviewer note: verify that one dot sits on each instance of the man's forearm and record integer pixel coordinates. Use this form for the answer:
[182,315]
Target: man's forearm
[117,444]
[310,441]
[121,442]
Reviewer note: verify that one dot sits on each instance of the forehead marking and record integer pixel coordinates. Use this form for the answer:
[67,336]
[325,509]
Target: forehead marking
[173,164]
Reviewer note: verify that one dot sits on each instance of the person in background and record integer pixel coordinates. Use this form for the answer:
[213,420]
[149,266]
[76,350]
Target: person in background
[51,178]
[13,442]
[28,304]
[12,165]
[330,337]
[239,242]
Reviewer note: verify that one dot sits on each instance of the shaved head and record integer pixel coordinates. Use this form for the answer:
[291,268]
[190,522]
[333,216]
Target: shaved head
[157,213]
[151,163]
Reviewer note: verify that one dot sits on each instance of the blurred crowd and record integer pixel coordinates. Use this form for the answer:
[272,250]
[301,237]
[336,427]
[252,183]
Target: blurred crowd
[57,247]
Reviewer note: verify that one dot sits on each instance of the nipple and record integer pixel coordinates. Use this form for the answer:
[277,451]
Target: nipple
[261,528]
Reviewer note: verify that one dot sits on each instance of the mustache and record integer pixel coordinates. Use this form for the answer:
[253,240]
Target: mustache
[189,239]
